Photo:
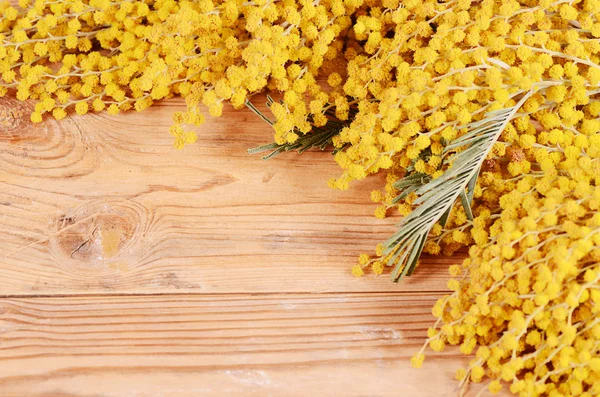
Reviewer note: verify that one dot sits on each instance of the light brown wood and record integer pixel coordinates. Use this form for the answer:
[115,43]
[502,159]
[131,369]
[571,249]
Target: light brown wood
[224,345]
[105,204]
[130,268]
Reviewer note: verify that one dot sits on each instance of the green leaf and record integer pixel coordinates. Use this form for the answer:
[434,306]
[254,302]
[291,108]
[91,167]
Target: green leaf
[444,218]
[471,187]
[438,196]
[263,148]
[417,178]
[260,114]
[466,205]
[319,137]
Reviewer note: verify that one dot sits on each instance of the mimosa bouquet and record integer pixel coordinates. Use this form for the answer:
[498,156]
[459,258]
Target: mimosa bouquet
[484,116]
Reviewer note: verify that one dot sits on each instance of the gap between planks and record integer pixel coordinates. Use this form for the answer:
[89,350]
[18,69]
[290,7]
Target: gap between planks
[350,345]
[221,294]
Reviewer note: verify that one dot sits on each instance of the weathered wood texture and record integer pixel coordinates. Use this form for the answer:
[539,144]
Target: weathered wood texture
[229,345]
[105,204]
[130,268]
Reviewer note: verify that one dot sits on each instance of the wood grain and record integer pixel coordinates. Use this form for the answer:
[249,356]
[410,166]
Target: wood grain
[105,204]
[221,345]
[130,268]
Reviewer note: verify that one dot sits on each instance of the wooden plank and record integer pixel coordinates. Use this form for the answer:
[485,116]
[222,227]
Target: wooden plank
[221,345]
[105,204]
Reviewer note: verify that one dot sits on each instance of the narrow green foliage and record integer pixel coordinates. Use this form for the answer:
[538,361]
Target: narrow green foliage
[318,137]
[436,197]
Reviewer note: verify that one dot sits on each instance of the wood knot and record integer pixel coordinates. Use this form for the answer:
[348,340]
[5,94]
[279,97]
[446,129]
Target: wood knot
[95,238]
[50,149]
[15,125]
[267,177]
[98,235]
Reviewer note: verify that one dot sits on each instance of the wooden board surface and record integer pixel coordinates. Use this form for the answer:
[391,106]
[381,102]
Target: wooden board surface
[105,204]
[225,345]
[130,268]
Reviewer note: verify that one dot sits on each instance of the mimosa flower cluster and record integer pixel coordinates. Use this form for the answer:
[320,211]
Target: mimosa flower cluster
[399,87]
[526,302]
[451,64]
[81,56]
